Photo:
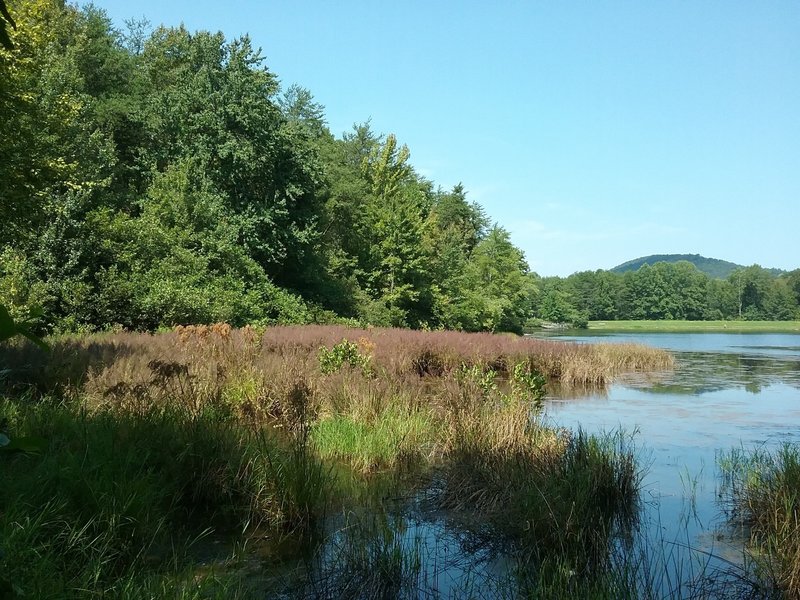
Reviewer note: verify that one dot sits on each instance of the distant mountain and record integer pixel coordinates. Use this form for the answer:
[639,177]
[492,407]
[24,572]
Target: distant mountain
[713,267]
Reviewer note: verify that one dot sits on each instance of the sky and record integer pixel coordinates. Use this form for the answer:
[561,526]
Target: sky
[594,132]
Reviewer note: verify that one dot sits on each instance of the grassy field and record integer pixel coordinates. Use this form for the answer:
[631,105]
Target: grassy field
[698,326]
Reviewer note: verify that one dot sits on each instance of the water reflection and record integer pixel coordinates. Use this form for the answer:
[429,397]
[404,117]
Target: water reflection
[702,372]
[727,391]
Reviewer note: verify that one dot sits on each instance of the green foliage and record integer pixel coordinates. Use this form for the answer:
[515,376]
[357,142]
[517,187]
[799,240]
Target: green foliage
[668,291]
[713,267]
[482,378]
[527,383]
[10,328]
[162,177]
[344,353]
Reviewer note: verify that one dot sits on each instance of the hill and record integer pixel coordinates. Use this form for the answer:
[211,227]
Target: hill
[713,267]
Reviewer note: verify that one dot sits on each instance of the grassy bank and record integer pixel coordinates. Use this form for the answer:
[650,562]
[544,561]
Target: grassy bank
[697,326]
[152,444]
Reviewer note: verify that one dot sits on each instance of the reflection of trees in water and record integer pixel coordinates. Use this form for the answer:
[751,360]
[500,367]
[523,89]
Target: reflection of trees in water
[559,391]
[702,372]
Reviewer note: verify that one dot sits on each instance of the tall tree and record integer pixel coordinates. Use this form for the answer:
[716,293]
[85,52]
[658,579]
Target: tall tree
[499,284]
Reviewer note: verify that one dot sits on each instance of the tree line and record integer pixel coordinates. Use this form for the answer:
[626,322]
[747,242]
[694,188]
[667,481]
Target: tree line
[155,177]
[667,291]
[159,177]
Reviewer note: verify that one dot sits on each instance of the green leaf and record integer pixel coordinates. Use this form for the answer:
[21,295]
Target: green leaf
[7,327]
[24,329]
[29,444]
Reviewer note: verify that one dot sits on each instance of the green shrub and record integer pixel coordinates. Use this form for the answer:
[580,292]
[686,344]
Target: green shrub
[345,352]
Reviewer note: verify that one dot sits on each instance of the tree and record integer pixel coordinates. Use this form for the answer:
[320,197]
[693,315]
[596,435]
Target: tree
[48,147]
[499,286]
[5,19]
[597,293]
[751,285]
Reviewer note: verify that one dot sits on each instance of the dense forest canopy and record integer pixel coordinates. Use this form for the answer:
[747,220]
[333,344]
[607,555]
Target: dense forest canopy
[154,177]
[713,267]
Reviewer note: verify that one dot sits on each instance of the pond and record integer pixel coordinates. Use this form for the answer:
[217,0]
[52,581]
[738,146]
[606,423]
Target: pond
[727,391]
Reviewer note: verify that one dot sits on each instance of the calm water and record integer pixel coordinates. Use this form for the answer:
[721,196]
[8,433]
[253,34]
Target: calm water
[728,391]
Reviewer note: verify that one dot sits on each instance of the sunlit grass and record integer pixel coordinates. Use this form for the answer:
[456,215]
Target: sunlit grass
[762,494]
[154,440]
[393,438]
[697,326]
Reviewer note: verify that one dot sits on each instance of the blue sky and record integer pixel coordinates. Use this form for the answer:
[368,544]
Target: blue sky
[594,132]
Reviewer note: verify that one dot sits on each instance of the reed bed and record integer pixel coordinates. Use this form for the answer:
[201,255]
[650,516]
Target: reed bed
[244,430]
[761,490]
[396,352]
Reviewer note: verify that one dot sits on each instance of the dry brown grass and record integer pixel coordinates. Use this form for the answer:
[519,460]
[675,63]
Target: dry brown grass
[455,382]
[251,370]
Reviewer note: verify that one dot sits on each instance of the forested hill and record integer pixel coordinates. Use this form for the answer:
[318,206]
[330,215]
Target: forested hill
[713,267]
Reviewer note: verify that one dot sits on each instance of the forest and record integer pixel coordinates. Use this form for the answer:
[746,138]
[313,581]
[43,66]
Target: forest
[667,291]
[156,177]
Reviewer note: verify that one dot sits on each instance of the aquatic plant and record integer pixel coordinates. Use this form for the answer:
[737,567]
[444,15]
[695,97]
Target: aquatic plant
[152,434]
[761,492]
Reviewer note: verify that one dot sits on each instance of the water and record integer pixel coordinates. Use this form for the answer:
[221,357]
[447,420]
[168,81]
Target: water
[727,391]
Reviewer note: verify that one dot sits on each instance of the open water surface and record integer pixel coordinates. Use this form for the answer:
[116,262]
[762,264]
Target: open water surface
[727,391]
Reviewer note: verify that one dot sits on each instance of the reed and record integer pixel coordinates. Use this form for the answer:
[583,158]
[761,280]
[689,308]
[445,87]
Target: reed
[761,492]
[155,439]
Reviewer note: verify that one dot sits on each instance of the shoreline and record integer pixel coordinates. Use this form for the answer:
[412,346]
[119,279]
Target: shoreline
[697,326]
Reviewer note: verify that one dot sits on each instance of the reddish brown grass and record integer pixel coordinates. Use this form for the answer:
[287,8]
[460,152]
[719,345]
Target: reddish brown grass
[207,364]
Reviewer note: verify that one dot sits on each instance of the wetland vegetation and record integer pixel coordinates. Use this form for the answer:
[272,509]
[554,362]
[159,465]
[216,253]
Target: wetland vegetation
[158,444]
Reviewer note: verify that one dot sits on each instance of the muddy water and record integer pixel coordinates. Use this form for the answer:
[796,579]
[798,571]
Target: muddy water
[728,391]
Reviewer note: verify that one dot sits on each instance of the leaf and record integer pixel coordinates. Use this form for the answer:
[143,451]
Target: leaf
[7,327]
[24,329]
[29,444]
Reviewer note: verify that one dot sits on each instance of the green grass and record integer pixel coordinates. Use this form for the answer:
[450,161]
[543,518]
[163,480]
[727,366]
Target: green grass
[697,326]
[394,436]
[762,492]
[116,502]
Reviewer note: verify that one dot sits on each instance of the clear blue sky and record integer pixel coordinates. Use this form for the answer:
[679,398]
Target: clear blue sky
[594,132]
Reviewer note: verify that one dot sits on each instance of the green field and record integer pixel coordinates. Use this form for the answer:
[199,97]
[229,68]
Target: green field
[698,326]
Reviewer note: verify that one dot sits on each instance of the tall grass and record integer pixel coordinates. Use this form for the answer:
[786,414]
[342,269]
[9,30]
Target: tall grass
[554,497]
[216,354]
[761,490]
[118,497]
[156,439]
